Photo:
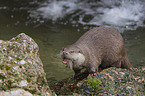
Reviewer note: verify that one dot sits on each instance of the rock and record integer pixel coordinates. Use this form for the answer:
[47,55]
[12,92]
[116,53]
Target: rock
[16,92]
[116,81]
[109,82]
[21,67]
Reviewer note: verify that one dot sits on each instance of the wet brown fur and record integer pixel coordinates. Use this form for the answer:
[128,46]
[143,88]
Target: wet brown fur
[102,47]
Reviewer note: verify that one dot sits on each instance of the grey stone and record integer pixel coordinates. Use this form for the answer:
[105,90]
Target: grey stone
[16,92]
[21,67]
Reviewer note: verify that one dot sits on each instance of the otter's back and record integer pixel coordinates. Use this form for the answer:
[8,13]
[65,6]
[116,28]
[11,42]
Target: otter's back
[102,39]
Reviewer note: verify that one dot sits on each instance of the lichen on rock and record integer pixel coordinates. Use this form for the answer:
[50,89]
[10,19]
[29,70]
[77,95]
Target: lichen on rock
[21,67]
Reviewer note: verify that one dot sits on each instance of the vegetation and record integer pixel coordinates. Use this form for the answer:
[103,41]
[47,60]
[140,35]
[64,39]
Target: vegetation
[94,83]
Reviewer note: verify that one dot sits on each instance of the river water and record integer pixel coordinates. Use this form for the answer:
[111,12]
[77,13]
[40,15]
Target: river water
[53,24]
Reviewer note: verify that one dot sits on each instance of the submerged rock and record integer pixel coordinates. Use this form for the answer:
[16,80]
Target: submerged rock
[21,67]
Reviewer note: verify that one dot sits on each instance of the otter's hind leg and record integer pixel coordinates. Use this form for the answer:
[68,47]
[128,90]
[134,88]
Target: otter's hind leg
[80,75]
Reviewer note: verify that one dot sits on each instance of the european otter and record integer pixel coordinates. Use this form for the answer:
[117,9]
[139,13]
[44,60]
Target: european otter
[99,48]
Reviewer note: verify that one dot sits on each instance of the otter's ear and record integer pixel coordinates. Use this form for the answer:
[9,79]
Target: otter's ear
[63,49]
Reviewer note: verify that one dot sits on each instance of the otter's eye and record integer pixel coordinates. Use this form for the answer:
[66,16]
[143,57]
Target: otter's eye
[62,49]
[66,53]
[71,51]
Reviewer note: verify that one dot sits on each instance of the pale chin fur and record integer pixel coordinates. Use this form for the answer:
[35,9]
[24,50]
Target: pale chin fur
[79,59]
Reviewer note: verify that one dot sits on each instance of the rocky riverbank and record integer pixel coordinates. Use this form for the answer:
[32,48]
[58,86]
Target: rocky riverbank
[22,74]
[109,82]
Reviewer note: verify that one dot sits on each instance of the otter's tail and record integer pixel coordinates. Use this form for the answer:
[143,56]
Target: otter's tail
[125,62]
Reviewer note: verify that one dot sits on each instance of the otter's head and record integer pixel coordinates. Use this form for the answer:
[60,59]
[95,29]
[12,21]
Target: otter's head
[73,59]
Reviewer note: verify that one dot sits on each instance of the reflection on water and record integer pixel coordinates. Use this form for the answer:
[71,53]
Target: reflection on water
[51,35]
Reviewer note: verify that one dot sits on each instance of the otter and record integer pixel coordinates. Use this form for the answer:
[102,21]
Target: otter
[97,49]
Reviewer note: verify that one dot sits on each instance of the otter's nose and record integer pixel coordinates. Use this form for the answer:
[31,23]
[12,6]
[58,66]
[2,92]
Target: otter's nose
[64,53]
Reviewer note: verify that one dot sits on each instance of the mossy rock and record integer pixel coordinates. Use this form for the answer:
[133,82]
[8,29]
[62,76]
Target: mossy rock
[116,81]
[21,67]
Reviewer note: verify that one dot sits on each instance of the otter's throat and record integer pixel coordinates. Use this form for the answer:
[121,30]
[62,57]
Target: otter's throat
[79,60]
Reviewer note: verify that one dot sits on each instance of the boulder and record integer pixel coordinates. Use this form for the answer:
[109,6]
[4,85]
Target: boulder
[115,81]
[21,69]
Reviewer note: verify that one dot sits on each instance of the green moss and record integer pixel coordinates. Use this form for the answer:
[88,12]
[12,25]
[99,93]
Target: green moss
[8,67]
[16,39]
[8,51]
[1,67]
[11,63]
[34,52]
[29,80]
[107,83]
[20,66]
[4,50]
[2,76]
[94,83]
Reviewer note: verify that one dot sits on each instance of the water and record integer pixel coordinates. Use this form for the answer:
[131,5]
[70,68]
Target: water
[121,14]
[54,24]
